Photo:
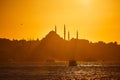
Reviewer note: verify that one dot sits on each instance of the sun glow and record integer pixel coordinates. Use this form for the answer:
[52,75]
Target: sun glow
[86,2]
[94,19]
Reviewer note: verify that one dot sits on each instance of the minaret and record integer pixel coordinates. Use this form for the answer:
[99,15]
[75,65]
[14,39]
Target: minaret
[64,32]
[68,35]
[77,34]
[55,29]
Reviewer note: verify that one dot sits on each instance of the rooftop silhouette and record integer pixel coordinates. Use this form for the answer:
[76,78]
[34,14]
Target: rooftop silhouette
[52,46]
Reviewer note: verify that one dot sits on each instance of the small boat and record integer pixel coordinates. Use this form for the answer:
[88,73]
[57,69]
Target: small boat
[50,61]
[72,63]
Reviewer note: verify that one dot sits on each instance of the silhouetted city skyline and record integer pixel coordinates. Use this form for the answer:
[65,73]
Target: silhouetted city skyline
[52,46]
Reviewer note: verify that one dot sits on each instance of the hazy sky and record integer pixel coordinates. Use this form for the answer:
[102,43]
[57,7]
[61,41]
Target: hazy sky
[96,20]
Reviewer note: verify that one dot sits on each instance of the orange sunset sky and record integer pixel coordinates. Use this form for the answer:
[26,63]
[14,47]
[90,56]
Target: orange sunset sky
[96,20]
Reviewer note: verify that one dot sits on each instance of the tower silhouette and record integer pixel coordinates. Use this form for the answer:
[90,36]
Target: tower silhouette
[64,32]
[77,34]
[55,29]
[68,35]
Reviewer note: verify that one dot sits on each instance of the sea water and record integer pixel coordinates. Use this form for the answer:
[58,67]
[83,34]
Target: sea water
[60,72]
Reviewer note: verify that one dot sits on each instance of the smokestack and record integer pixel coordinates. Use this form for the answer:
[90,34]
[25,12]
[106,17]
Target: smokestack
[55,29]
[64,32]
[77,34]
[68,35]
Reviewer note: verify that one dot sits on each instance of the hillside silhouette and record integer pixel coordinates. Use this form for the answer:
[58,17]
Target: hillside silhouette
[52,46]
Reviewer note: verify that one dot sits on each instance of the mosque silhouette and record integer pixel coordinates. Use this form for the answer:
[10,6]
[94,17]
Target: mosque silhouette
[52,46]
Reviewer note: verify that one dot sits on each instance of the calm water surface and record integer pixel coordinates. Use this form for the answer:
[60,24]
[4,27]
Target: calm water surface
[60,72]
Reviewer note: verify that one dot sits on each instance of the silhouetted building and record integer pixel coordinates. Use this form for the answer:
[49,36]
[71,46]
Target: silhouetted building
[52,46]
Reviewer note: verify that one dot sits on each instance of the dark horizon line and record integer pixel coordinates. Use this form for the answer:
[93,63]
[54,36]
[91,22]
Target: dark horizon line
[112,42]
[37,39]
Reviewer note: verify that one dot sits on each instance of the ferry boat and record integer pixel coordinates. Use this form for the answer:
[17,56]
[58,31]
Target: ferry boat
[72,63]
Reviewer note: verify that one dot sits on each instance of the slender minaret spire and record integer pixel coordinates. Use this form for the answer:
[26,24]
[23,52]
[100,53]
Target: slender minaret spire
[64,32]
[55,29]
[77,34]
[68,35]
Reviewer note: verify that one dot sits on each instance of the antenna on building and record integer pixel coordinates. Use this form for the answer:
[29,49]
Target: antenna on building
[64,32]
